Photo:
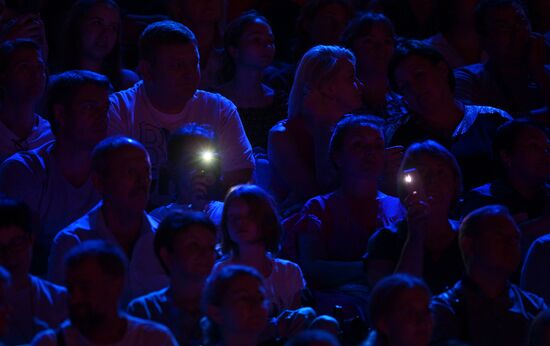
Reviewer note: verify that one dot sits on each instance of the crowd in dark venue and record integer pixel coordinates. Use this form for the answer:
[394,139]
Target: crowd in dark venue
[275,172]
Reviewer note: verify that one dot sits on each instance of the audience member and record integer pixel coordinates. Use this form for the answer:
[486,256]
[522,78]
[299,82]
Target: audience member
[22,83]
[33,304]
[514,78]
[539,333]
[251,232]
[372,39]
[21,19]
[334,229]
[168,98]
[5,310]
[400,312]
[95,278]
[121,173]
[522,151]
[206,19]
[54,180]
[425,244]
[313,338]
[194,164]
[184,245]
[426,82]
[235,306]
[248,51]
[320,22]
[412,18]
[325,89]
[457,39]
[92,41]
[485,308]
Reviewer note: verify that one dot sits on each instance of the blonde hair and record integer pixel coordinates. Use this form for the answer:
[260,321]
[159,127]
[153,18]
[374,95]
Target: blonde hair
[317,66]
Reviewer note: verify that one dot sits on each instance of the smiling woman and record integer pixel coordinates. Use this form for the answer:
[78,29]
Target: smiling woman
[92,35]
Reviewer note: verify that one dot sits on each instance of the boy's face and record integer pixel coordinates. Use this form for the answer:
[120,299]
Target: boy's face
[175,70]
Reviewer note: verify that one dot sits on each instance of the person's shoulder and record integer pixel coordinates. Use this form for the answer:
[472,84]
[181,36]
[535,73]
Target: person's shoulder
[211,98]
[155,298]
[487,112]
[45,338]
[127,94]
[34,160]
[48,288]
[147,327]
[450,298]
[286,265]
[80,227]
[473,69]
[530,301]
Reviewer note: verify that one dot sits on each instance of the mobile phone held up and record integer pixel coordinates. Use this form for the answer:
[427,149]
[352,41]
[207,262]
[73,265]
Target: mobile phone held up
[412,183]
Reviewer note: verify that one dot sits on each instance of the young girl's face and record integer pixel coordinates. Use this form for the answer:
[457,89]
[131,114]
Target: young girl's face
[411,322]
[241,224]
[99,31]
[244,307]
[375,48]
[256,46]
[345,88]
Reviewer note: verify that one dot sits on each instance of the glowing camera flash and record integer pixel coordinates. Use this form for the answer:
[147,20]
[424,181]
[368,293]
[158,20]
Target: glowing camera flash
[408,179]
[207,156]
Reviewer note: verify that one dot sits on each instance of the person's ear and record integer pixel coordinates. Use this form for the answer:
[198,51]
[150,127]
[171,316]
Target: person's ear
[505,157]
[214,313]
[97,181]
[145,69]
[164,256]
[233,52]
[59,115]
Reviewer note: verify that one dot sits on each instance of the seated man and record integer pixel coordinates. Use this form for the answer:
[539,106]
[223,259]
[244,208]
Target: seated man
[514,78]
[122,174]
[184,244]
[168,98]
[522,151]
[24,80]
[96,275]
[485,308]
[54,180]
[34,304]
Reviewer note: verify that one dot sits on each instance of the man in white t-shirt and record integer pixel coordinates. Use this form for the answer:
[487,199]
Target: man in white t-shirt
[168,98]
[96,275]
[23,82]
[121,172]
[54,180]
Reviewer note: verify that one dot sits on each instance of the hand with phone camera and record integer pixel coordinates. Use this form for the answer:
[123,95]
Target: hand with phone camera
[416,202]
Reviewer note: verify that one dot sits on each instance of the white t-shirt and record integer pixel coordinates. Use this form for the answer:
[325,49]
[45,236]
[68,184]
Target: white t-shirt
[10,143]
[133,115]
[213,209]
[34,178]
[145,274]
[138,333]
[286,280]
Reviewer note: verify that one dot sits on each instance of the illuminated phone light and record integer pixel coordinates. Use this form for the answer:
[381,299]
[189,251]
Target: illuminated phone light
[207,156]
[408,178]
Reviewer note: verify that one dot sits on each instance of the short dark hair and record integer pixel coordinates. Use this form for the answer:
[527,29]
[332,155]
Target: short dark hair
[214,291]
[9,47]
[179,140]
[231,38]
[262,209]
[484,6]
[471,224]
[15,213]
[62,88]
[165,32]
[434,150]
[343,128]
[362,25]
[176,224]
[110,258]
[506,138]
[313,337]
[409,48]
[102,151]
[385,293]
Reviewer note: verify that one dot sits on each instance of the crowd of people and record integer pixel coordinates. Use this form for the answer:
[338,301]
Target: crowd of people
[290,172]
